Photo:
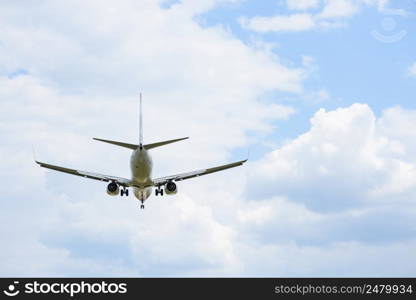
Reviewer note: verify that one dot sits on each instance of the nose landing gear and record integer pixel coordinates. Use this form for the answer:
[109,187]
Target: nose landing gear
[142,205]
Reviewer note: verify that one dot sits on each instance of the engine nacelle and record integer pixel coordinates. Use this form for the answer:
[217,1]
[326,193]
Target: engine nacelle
[171,188]
[113,189]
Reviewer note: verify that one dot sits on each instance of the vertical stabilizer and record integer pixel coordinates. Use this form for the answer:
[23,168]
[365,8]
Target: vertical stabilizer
[140,123]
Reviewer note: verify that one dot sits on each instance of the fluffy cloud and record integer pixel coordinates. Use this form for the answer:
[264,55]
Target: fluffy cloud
[72,72]
[317,206]
[332,14]
[108,60]
[338,8]
[347,183]
[347,159]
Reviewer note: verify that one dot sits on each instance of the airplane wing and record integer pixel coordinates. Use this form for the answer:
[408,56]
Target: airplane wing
[121,181]
[178,177]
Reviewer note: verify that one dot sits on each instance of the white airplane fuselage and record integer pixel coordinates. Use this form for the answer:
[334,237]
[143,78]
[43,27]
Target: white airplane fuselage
[141,169]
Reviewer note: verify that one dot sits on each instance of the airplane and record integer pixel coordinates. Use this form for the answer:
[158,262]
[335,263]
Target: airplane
[141,169]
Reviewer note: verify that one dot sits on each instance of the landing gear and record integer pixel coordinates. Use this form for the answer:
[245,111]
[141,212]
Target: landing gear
[159,191]
[142,205]
[123,192]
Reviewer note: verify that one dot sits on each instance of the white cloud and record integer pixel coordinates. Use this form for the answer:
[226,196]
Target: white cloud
[302,4]
[338,9]
[84,65]
[295,22]
[82,82]
[347,153]
[412,69]
[332,14]
[337,260]
[333,190]
[109,53]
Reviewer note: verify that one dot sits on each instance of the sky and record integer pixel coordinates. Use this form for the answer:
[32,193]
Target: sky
[321,93]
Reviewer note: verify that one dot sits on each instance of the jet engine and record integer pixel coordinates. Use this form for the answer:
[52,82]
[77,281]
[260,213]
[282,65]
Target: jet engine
[171,188]
[113,189]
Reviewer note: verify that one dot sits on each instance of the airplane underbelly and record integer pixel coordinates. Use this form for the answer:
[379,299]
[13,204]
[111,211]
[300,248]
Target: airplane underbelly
[142,194]
[141,166]
[142,172]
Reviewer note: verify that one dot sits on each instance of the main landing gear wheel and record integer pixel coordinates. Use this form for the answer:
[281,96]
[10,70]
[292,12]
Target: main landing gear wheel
[159,191]
[123,192]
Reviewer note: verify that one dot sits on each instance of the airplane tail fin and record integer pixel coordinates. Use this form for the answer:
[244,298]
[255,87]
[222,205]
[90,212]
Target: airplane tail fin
[140,145]
[140,123]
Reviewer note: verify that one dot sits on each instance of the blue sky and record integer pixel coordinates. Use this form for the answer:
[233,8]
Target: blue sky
[351,64]
[320,91]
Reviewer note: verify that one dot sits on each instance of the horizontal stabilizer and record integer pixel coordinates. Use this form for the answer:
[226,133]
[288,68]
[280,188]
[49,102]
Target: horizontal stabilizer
[125,145]
[154,145]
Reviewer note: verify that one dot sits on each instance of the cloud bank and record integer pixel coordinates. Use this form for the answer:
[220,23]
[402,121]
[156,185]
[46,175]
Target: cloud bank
[337,200]
[314,15]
